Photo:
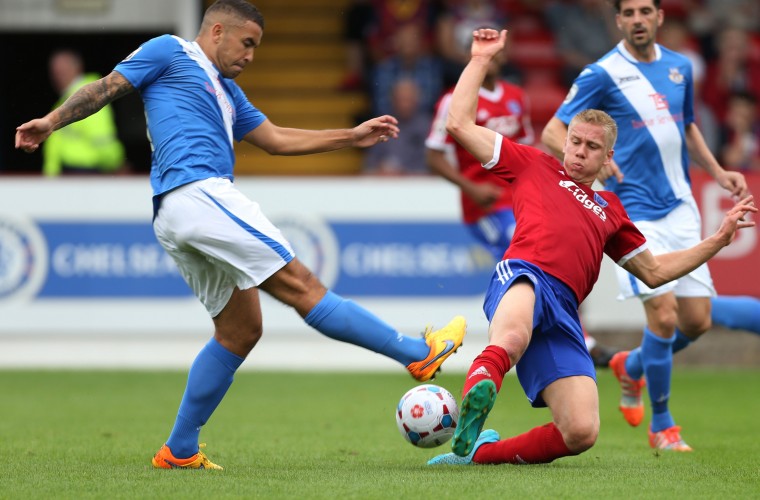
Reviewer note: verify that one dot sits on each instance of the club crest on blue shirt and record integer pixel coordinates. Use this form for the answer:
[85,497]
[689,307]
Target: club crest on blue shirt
[675,76]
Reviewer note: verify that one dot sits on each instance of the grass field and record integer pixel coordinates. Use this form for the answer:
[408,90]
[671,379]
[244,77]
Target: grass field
[70,434]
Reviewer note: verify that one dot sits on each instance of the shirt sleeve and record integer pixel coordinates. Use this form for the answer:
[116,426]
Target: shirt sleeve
[146,64]
[247,116]
[511,158]
[586,92]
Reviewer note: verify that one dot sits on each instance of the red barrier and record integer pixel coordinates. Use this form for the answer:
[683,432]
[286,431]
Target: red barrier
[736,269]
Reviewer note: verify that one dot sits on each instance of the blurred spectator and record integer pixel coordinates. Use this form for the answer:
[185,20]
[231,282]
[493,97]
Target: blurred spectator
[705,17]
[357,27]
[411,60]
[584,30]
[406,154]
[675,35]
[392,15]
[454,28]
[90,146]
[735,69]
[741,133]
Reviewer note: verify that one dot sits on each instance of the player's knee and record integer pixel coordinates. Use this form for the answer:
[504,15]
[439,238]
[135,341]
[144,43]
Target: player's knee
[694,326]
[240,340]
[580,436]
[664,321]
[250,337]
[662,314]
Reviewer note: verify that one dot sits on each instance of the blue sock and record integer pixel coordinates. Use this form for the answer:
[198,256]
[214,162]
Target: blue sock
[344,320]
[633,364]
[209,378]
[681,341]
[738,313]
[657,356]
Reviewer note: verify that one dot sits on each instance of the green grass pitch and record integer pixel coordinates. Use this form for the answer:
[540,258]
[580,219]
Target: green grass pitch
[74,434]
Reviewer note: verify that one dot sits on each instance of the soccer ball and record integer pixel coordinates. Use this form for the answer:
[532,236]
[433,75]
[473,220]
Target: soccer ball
[427,415]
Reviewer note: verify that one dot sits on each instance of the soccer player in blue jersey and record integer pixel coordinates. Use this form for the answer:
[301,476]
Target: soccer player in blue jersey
[225,248]
[563,229]
[648,90]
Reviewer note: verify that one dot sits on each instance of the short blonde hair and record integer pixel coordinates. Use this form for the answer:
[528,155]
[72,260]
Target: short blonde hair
[598,117]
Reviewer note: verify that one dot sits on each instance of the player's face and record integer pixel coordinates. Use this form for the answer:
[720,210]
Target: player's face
[236,48]
[638,20]
[586,152]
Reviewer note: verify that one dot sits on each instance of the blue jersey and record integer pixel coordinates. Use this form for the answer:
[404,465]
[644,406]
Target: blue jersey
[193,113]
[652,103]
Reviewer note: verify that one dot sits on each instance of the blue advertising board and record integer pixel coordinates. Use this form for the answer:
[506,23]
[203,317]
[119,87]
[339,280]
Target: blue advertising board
[113,259]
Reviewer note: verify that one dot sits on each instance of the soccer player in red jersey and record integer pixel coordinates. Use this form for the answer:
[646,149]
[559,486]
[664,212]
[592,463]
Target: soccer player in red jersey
[563,229]
[486,198]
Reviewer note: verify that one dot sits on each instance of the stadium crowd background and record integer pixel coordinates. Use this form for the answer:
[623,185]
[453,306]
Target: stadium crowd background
[332,62]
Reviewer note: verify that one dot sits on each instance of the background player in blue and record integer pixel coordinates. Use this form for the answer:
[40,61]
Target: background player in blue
[648,90]
[224,246]
[563,229]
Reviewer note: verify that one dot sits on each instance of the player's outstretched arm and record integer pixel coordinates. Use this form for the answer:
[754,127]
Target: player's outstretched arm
[83,103]
[460,123]
[702,156]
[657,270]
[277,140]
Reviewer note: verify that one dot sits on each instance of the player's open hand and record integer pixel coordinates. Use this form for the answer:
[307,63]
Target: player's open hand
[736,219]
[379,129]
[30,135]
[487,42]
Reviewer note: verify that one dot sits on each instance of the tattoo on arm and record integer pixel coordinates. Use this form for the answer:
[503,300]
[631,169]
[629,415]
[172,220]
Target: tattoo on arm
[91,98]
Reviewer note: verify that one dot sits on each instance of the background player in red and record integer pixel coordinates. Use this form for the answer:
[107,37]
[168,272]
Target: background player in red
[563,228]
[486,198]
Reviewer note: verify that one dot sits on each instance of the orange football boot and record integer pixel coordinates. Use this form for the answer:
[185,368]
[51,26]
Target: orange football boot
[630,400]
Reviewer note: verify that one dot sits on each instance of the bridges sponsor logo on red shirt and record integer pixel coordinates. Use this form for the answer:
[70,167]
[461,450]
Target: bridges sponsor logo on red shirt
[584,199]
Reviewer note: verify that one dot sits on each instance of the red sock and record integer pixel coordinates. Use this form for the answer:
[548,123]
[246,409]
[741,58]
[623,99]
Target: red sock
[492,364]
[539,445]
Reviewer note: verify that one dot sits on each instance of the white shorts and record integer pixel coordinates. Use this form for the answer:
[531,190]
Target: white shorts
[219,239]
[680,229]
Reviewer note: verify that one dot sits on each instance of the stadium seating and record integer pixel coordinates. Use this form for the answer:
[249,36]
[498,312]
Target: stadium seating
[294,80]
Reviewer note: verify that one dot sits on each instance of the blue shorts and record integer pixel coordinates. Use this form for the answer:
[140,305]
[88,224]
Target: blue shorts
[557,348]
[495,231]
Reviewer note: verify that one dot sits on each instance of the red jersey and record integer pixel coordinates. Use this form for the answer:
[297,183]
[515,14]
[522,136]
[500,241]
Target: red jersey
[562,227]
[503,110]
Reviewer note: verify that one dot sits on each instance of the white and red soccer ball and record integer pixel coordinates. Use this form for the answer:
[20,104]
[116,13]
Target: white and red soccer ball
[427,415]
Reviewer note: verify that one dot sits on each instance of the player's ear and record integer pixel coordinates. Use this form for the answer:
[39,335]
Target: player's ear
[217,30]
